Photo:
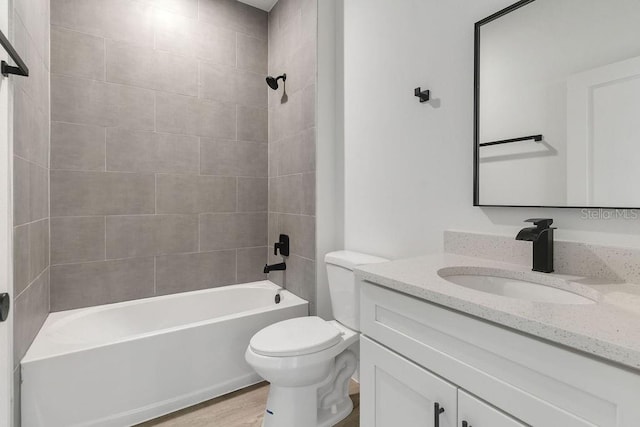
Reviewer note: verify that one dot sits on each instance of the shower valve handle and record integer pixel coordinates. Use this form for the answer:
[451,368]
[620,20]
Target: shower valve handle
[282,245]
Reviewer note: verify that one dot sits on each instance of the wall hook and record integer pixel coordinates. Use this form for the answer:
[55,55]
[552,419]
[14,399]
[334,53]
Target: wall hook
[423,95]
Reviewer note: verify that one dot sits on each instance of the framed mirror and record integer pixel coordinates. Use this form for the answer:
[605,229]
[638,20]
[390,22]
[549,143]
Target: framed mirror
[557,105]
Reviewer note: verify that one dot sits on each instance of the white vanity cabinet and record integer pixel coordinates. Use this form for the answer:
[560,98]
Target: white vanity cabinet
[401,393]
[473,412]
[415,353]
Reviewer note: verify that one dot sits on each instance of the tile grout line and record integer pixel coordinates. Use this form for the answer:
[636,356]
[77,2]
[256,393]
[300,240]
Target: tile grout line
[155,275]
[236,269]
[151,214]
[138,130]
[155,112]
[105,237]
[35,279]
[105,150]
[185,174]
[152,89]
[31,222]
[199,78]
[104,71]
[155,194]
[17,156]
[200,156]
[211,251]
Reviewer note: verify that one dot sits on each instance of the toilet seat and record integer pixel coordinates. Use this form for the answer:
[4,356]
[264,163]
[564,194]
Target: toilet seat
[296,337]
[297,370]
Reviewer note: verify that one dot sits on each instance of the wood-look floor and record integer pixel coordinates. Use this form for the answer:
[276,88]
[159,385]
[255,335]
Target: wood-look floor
[243,408]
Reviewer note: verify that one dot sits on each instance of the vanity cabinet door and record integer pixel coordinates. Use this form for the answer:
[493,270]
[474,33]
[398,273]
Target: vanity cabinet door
[475,413]
[396,392]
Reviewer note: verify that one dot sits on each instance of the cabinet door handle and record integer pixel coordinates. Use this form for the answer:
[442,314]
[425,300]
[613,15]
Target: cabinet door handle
[437,410]
[466,424]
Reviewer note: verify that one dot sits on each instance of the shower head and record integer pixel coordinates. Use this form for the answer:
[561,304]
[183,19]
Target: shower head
[273,81]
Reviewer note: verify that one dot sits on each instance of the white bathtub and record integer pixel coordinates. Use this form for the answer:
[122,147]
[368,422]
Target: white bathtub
[120,364]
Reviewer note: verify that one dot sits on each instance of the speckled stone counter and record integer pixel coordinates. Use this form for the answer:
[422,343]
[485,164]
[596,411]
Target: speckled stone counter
[609,328]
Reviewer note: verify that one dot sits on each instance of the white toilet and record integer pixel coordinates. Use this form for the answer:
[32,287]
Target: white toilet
[307,360]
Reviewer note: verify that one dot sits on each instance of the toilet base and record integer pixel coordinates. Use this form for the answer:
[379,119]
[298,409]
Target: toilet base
[304,413]
[326,418]
[316,405]
[309,390]
[291,407]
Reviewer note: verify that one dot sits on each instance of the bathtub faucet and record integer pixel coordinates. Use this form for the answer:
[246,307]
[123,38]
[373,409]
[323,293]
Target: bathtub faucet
[274,267]
[281,245]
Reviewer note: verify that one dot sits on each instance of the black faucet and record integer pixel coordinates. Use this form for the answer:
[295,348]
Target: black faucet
[274,267]
[542,237]
[283,246]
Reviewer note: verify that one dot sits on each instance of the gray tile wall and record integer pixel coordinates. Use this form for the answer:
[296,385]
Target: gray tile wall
[292,139]
[159,154]
[30,35]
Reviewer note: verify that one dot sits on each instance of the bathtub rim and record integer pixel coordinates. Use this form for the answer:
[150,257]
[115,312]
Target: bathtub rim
[72,314]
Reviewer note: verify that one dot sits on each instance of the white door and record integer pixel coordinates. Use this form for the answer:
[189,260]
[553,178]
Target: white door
[475,413]
[396,392]
[6,347]
[603,135]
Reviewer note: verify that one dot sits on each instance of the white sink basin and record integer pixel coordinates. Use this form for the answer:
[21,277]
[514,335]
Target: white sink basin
[503,283]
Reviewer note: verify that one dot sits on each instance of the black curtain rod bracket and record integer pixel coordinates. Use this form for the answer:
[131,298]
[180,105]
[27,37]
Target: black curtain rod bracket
[6,69]
[536,138]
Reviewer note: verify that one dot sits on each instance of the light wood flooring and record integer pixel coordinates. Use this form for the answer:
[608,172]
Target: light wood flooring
[243,408]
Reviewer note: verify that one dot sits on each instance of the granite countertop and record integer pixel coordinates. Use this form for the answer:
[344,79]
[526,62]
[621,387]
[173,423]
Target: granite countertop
[609,328]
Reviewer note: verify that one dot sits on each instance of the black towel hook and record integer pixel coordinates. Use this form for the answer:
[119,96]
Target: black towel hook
[424,95]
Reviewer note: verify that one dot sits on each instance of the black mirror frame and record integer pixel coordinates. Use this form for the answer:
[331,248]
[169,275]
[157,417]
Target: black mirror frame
[476,118]
[476,99]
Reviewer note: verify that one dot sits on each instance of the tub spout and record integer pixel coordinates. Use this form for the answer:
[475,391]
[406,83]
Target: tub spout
[274,267]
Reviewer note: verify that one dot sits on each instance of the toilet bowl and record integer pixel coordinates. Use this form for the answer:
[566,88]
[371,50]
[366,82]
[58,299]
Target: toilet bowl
[307,360]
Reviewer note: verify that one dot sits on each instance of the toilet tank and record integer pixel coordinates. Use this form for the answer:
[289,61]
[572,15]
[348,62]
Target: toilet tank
[343,288]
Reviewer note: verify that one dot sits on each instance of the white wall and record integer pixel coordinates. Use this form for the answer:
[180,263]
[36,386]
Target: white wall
[329,147]
[408,166]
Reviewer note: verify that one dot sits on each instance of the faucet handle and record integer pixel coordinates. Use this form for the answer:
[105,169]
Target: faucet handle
[541,223]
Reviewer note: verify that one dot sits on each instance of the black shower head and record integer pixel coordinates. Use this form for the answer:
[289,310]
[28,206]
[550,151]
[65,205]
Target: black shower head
[273,81]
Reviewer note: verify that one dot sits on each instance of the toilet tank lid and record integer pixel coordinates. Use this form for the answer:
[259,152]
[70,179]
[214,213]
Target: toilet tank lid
[350,260]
